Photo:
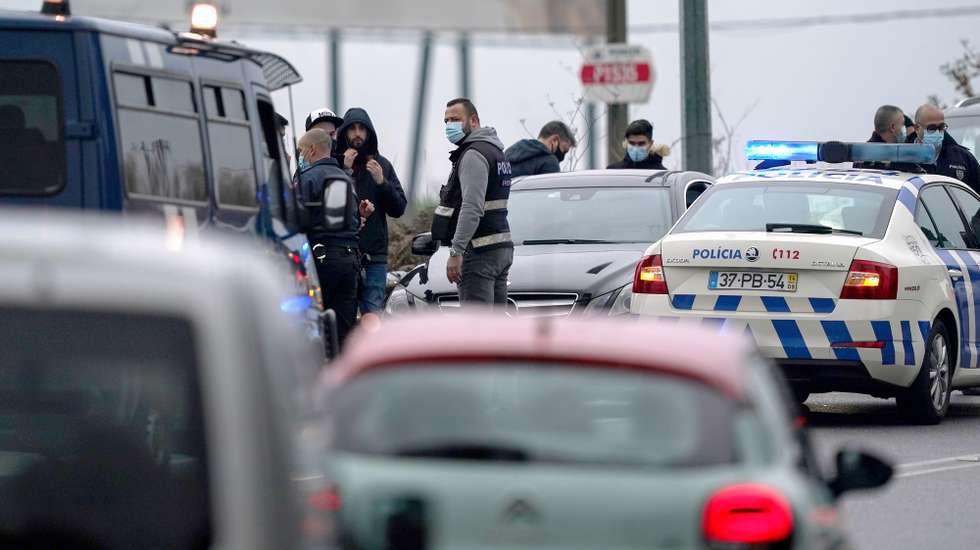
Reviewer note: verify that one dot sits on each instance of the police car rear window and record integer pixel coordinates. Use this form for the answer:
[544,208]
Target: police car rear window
[751,206]
[32,149]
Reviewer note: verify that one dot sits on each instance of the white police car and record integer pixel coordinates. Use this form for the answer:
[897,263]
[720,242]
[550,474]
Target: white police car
[851,280]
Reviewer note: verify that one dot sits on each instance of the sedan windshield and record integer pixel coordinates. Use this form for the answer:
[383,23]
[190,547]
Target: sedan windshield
[793,208]
[534,413]
[589,214]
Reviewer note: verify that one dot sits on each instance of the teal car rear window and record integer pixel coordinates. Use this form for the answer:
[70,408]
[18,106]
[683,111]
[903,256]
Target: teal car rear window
[534,413]
[750,206]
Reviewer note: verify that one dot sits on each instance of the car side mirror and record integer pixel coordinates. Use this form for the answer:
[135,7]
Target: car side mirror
[335,206]
[423,245]
[858,470]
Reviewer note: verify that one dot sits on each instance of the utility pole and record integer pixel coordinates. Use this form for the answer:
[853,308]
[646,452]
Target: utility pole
[464,66]
[618,112]
[695,87]
[333,38]
[418,133]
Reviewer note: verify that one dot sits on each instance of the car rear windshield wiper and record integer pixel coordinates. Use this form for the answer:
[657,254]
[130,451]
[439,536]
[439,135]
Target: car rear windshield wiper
[467,451]
[570,241]
[807,228]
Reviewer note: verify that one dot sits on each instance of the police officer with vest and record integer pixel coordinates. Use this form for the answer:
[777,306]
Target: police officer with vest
[472,211]
[335,250]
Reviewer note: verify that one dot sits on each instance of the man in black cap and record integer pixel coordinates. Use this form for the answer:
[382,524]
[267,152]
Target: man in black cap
[326,120]
[641,152]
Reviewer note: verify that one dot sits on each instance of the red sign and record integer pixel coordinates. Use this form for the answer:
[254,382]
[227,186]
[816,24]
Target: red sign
[616,73]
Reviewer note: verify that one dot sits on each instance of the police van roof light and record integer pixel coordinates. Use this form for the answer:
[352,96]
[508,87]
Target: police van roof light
[836,151]
[56,7]
[204,19]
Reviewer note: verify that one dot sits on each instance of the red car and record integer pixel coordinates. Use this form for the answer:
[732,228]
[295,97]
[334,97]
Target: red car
[476,431]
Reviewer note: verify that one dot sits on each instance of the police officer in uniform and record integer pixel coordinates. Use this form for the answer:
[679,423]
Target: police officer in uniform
[954,160]
[336,252]
[472,211]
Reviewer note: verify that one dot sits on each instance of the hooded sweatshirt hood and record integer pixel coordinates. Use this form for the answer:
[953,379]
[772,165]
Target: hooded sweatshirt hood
[356,114]
[486,134]
[526,149]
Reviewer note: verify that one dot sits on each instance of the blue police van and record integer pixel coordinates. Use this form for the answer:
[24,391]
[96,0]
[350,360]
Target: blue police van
[142,120]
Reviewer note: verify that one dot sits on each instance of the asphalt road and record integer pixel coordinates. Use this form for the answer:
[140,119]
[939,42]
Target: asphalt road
[934,499]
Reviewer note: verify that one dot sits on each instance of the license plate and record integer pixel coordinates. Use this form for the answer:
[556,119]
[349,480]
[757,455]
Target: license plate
[752,280]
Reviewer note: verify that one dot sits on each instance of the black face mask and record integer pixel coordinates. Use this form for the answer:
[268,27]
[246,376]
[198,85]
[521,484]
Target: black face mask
[559,154]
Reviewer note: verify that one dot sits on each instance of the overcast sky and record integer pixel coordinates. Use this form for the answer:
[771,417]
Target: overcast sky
[820,82]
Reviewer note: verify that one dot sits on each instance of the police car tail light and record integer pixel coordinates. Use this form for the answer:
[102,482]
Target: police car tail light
[870,281]
[748,514]
[649,276]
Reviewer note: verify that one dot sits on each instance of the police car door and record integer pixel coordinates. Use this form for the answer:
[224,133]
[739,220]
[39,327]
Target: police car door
[943,225]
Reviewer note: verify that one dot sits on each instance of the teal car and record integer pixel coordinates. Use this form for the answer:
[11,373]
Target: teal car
[483,432]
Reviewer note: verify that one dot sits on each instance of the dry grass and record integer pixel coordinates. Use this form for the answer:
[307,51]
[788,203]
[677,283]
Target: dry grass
[402,231]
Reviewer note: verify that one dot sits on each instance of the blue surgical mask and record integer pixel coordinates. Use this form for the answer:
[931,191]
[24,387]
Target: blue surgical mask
[301,161]
[454,132]
[637,153]
[934,138]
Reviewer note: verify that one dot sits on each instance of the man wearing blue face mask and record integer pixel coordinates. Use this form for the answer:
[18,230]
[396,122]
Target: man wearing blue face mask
[889,127]
[641,152]
[954,160]
[472,211]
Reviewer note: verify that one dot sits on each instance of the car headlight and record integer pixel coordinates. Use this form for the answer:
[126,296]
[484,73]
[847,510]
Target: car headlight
[616,302]
[401,301]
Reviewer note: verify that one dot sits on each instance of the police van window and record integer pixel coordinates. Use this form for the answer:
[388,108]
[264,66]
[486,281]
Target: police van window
[231,147]
[32,149]
[273,163]
[159,137]
[970,206]
[945,215]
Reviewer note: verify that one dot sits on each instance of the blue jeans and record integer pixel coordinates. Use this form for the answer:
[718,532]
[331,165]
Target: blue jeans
[373,289]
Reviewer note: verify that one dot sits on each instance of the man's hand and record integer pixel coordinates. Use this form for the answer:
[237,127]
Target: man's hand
[349,156]
[376,171]
[366,208]
[454,269]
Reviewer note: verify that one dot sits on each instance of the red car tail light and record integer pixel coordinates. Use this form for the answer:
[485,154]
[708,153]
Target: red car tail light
[747,513]
[870,281]
[649,276]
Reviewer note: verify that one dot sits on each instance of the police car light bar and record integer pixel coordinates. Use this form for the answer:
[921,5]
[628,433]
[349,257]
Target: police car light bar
[836,151]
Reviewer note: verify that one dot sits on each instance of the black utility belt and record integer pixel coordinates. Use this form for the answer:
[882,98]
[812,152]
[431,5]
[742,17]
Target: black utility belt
[324,249]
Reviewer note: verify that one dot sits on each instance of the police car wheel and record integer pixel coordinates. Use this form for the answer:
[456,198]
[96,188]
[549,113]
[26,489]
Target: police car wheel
[927,399]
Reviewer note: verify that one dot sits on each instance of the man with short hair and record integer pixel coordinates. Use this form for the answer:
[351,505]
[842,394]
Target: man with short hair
[336,253]
[641,152]
[544,155]
[954,160]
[472,212]
[889,127]
[376,181]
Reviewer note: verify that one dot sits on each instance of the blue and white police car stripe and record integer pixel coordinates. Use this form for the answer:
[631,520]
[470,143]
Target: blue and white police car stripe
[749,303]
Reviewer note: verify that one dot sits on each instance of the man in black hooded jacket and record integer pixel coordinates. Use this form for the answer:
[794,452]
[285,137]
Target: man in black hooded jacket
[376,181]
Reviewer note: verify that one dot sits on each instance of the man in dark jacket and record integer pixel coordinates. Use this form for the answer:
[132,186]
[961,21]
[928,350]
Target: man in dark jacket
[889,124]
[641,152]
[376,181]
[336,252]
[544,155]
[954,160]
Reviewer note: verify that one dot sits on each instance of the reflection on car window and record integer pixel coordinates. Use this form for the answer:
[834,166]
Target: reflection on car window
[970,206]
[593,213]
[101,431]
[966,132]
[749,207]
[32,151]
[605,417]
[925,223]
[231,147]
[945,215]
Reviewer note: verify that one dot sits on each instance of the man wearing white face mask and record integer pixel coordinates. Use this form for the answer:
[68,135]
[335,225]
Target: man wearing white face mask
[954,160]
[472,211]
[641,152]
